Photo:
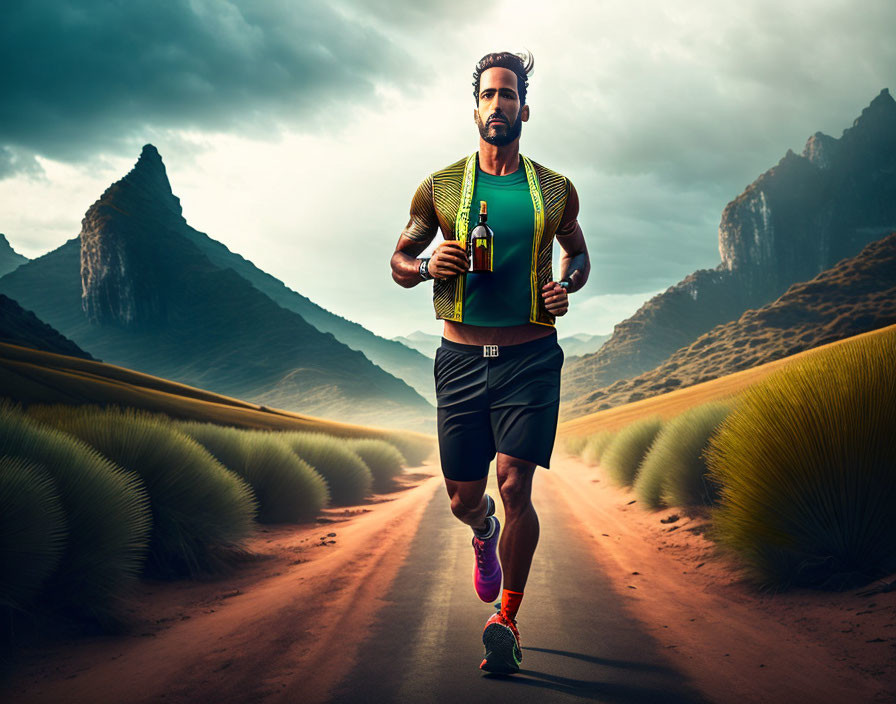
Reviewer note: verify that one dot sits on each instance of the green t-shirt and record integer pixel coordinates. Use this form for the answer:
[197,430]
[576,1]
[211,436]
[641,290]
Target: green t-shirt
[502,297]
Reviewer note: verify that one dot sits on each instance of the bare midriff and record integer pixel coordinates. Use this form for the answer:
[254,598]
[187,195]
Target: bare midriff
[480,335]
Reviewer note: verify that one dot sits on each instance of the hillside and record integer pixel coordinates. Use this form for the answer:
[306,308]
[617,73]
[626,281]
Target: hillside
[22,327]
[855,296]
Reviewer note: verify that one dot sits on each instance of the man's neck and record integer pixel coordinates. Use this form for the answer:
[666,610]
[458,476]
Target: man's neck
[499,161]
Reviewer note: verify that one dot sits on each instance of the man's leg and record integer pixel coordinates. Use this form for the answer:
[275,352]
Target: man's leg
[521,530]
[468,501]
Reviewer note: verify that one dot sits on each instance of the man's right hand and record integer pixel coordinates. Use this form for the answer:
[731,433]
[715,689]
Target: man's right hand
[448,259]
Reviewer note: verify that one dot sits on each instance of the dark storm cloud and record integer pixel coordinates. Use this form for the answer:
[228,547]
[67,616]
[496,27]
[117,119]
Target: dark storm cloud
[82,77]
[716,97]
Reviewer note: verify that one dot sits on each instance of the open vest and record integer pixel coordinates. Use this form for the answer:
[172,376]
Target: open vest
[452,193]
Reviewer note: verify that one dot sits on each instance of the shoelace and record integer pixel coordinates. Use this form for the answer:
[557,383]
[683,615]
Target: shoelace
[479,548]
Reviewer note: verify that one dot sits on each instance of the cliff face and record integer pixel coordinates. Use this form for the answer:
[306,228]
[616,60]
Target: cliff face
[120,239]
[796,220]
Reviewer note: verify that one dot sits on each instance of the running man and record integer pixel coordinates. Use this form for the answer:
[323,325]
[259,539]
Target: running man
[497,371]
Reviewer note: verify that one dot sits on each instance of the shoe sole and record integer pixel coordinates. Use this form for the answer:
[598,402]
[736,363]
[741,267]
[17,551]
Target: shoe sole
[500,644]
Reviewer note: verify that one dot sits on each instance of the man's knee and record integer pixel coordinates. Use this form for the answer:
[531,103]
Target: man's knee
[466,500]
[515,484]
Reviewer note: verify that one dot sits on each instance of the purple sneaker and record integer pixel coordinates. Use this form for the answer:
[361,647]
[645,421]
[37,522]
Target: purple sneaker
[487,572]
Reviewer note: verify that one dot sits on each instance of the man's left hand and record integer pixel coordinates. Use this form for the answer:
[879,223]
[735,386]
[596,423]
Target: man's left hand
[555,298]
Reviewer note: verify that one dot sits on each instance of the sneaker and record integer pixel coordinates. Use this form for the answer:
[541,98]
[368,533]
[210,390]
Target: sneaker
[501,639]
[487,571]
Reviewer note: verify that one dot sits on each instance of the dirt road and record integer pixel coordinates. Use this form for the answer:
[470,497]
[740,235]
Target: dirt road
[375,604]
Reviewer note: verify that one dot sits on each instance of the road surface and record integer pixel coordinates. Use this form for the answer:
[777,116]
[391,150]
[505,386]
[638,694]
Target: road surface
[578,642]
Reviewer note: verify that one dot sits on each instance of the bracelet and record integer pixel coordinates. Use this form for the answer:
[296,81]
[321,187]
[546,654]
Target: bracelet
[423,270]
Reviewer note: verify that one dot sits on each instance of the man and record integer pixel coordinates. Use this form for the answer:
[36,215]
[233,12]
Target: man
[497,371]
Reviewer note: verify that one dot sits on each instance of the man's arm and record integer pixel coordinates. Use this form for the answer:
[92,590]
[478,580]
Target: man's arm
[449,257]
[574,262]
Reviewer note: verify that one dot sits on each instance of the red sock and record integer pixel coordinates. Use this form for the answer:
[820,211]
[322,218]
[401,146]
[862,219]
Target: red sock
[510,603]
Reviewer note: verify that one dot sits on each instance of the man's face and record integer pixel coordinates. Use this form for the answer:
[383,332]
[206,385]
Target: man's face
[499,116]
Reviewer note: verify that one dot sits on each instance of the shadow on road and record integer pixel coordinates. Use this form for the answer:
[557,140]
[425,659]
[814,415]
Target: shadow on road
[625,664]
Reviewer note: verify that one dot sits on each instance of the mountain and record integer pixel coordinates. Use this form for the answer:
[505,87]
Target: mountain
[395,358]
[855,296]
[423,342]
[581,344]
[796,220]
[135,289]
[9,258]
[22,327]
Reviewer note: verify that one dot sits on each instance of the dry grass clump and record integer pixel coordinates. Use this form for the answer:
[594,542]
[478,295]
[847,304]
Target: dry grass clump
[807,469]
[415,448]
[624,454]
[595,445]
[201,512]
[348,478]
[574,444]
[106,510]
[673,473]
[287,488]
[32,530]
[382,458]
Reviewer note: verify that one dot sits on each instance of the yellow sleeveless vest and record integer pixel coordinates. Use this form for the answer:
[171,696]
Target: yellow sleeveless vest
[452,191]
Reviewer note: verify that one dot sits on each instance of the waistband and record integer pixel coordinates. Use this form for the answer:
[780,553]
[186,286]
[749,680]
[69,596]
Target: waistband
[532,346]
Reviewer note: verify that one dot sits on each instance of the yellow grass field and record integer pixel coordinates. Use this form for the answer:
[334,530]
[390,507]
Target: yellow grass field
[35,376]
[671,404]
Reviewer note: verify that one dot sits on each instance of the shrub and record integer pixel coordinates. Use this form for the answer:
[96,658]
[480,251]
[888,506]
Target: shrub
[574,444]
[382,458]
[624,454]
[673,472]
[201,511]
[32,530]
[348,478]
[106,508]
[807,469]
[288,489]
[595,445]
[415,448]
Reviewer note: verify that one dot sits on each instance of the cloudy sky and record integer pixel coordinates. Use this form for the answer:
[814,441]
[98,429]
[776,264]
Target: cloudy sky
[296,132]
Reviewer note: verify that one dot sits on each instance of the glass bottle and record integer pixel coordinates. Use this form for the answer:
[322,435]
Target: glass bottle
[481,243]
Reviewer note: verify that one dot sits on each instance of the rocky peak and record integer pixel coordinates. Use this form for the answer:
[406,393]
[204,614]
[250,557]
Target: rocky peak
[9,258]
[821,150]
[121,238]
[145,187]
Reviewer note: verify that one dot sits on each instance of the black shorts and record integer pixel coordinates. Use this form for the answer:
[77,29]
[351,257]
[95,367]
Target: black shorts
[506,403]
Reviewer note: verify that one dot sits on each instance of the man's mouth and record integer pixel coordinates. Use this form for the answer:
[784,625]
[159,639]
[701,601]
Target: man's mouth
[497,120]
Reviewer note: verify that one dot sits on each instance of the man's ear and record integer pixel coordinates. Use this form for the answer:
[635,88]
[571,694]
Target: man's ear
[475,114]
[524,113]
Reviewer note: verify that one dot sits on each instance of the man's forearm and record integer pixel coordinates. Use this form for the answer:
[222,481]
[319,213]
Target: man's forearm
[574,268]
[406,270]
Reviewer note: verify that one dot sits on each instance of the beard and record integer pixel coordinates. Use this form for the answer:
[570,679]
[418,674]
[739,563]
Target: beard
[503,134]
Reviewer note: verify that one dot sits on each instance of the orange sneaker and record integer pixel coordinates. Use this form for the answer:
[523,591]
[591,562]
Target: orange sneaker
[501,639]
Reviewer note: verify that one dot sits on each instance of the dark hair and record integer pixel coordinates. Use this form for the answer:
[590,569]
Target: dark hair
[521,64]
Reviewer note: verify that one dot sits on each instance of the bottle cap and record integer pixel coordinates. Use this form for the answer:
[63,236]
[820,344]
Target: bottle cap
[483,208]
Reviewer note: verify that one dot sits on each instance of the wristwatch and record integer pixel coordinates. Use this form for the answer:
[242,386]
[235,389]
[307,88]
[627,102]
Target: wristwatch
[424,270]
